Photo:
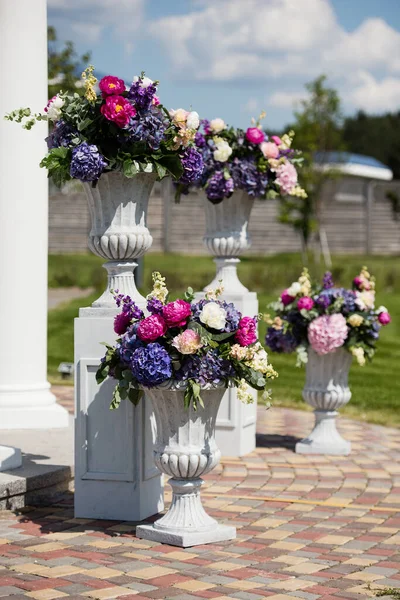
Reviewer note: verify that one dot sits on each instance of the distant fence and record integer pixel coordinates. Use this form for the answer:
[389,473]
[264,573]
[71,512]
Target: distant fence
[352,224]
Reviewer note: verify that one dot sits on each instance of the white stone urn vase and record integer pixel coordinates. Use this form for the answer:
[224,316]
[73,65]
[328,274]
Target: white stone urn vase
[119,234]
[185,449]
[326,390]
[227,237]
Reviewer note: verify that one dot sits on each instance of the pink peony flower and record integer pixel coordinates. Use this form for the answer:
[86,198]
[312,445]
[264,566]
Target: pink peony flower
[118,110]
[187,342]
[384,318]
[151,328]
[121,323]
[286,177]
[306,302]
[286,298]
[247,332]
[254,135]
[269,149]
[176,313]
[276,139]
[358,282]
[327,333]
[111,85]
[156,101]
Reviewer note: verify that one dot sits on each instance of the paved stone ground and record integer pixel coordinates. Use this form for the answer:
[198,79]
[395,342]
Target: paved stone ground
[308,528]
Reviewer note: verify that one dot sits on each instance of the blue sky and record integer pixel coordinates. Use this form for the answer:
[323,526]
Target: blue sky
[234,58]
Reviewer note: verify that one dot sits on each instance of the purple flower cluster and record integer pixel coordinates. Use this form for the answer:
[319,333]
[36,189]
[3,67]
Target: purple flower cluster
[247,177]
[329,295]
[148,127]
[200,140]
[219,187]
[87,163]
[206,369]
[192,162]
[280,341]
[142,96]
[151,365]
[128,344]
[154,306]
[327,281]
[61,135]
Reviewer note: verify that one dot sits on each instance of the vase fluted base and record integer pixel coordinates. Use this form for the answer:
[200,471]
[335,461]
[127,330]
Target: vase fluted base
[324,438]
[186,523]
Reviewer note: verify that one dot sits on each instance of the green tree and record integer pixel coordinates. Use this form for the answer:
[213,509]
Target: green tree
[317,126]
[64,66]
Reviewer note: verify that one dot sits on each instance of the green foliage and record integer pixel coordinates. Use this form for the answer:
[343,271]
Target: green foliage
[57,163]
[63,65]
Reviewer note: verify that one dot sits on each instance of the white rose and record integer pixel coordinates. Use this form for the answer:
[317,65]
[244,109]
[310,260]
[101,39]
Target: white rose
[179,115]
[382,309]
[365,300]
[213,316]
[294,289]
[223,150]
[193,120]
[217,125]
[54,108]
[145,82]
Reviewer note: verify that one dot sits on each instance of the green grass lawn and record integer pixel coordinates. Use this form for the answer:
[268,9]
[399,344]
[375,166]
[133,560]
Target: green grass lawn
[375,387]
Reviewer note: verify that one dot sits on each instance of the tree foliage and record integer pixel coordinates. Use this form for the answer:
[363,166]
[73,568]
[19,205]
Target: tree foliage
[64,66]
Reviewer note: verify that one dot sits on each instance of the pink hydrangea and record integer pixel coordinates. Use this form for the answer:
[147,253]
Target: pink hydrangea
[384,318]
[269,149]
[176,313]
[111,85]
[327,333]
[187,342]
[247,332]
[254,135]
[286,177]
[118,110]
[151,328]
[305,302]
[286,298]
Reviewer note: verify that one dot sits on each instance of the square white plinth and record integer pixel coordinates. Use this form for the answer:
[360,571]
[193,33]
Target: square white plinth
[221,533]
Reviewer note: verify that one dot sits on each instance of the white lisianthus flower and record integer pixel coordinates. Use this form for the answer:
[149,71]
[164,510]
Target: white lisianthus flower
[294,289]
[193,120]
[146,81]
[223,150]
[243,393]
[365,300]
[382,309]
[217,125]
[213,316]
[53,108]
[179,115]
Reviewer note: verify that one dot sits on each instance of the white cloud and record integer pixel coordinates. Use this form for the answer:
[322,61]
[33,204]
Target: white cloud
[88,19]
[286,99]
[281,40]
[252,106]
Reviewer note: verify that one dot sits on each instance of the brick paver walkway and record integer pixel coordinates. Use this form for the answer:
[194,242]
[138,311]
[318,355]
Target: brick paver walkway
[308,528]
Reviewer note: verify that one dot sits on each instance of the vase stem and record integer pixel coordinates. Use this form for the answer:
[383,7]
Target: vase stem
[120,277]
[227,274]
[324,438]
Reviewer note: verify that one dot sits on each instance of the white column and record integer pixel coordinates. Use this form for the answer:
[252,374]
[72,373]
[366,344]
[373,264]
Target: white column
[25,398]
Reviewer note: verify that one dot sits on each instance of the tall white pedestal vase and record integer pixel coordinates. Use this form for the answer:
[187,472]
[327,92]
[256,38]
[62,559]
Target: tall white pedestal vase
[226,238]
[326,390]
[114,474]
[185,449]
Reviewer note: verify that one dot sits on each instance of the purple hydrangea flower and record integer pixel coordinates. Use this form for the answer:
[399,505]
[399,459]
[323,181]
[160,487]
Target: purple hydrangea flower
[192,162]
[148,127]
[247,177]
[142,97]
[87,163]
[327,281]
[128,344]
[218,187]
[61,135]
[233,316]
[328,297]
[206,369]
[280,341]
[151,365]
[199,140]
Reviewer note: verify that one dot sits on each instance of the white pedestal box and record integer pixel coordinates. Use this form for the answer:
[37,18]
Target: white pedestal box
[115,475]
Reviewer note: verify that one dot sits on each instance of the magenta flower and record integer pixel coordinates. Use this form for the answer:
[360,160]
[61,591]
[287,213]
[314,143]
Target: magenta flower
[306,302]
[286,298]
[122,322]
[327,333]
[156,100]
[254,135]
[111,85]
[276,139]
[286,177]
[151,328]
[384,318]
[247,332]
[118,110]
[176,313]
[358,281]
